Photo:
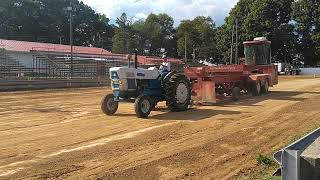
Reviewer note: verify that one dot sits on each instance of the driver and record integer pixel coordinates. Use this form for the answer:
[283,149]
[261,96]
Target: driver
[165,65]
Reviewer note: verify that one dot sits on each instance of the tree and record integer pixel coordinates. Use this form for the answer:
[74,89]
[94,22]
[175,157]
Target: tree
[105,34]
[123,36]
[91,28]
[271,19]
[159,33]
[199,36]
[140,37]
[306,14]
[48,21]
[268,18]
[148,36]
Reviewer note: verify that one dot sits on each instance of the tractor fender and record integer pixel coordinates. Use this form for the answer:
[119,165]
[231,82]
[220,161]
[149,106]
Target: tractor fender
[168,76]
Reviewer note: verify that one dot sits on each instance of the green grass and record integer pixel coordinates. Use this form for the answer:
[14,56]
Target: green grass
[267,166]
[265,160]
[299,136]
[265,175]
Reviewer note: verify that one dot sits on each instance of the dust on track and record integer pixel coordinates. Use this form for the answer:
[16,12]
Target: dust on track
[63,134]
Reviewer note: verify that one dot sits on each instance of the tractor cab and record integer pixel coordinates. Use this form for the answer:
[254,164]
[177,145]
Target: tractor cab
[257,52]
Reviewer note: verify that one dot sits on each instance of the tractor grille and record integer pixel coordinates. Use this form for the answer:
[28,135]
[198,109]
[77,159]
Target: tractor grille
[115,85]
[131,84]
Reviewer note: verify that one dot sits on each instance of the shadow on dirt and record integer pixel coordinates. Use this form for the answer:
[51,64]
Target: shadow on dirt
[285,95]
[247,101]
[250,101]
[192,114]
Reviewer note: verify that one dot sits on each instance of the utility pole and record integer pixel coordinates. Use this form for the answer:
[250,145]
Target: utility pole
[185,49]
[194,54]
[231,57]
[236,55]
[70,9]
[60,38]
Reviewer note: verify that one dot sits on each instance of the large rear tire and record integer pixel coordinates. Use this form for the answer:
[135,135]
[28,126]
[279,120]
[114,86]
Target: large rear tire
[178,93]
[143,106]
[108,105]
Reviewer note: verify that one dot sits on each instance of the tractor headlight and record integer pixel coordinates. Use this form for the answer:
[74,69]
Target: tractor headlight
[114,75]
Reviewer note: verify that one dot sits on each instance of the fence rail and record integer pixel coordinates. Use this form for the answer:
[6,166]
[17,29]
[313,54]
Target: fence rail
[41,83]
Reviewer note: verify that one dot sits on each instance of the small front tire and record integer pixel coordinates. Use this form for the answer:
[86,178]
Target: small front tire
[143,106]
[108,105]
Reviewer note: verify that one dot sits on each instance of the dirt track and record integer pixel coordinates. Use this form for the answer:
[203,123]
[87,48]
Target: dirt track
[63,134]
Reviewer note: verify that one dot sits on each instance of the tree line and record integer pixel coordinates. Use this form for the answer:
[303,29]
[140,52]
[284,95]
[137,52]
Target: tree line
[292,26]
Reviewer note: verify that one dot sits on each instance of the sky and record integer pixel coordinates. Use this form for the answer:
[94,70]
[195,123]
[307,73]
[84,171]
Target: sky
[178,9]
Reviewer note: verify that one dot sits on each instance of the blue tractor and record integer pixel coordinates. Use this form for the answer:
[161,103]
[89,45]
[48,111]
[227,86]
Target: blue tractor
[147,87]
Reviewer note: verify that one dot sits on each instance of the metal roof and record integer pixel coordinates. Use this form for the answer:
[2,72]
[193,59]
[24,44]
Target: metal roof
[25,46]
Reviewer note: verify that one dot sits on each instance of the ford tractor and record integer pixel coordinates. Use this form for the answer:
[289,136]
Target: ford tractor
[145,88]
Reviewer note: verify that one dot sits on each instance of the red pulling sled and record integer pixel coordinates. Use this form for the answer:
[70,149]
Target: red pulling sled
[255,76]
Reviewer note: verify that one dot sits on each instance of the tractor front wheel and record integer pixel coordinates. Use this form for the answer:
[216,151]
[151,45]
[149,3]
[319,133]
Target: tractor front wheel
[108,105]
[143,106]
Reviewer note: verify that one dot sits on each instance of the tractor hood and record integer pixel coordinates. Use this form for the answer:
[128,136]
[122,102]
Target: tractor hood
[133,73]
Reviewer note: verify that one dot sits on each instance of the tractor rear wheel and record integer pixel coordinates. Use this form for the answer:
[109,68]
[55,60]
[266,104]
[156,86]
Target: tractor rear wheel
[108,105]
[256,88]
[178,93]
[143,106]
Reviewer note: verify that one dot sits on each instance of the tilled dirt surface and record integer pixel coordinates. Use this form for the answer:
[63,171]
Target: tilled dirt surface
[63,134]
